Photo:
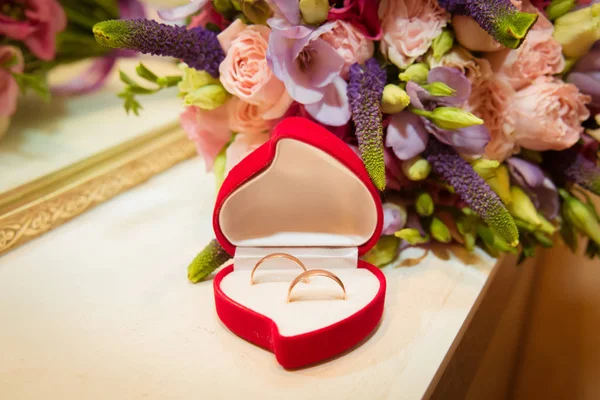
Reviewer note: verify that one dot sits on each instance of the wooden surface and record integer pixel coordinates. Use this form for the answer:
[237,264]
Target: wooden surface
[101,308]
[561,350]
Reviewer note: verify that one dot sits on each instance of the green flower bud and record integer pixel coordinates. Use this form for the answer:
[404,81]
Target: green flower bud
[193,79]
[577,31]
[394,99]
[412,236]
[314,12]
[424,205]
[440,231]
[416,73]
[209,259]
[439,89]
[450,118]
[546,226]
[500,183]
[384,252]
[257,11]
[416,169]
[558,8]
[581,216]
[523,208]
[493,242]
[207,97]
[442,44]
[223,6]
[485,168]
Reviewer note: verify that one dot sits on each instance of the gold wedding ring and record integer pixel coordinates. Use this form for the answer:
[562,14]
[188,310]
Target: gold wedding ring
[315,272]
[273,256]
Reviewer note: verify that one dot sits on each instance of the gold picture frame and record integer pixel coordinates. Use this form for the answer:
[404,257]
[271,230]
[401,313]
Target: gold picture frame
[37,207]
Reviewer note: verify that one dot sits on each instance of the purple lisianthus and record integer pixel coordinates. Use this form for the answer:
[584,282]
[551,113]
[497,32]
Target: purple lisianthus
[307,65]
[408,134]
[540,188]
[586,76]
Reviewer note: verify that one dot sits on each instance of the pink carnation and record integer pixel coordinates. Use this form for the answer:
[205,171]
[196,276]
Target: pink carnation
[409,27]
[490,102]
[540,54]
[548,114]
[209,130]
[43,19]
[9,90]
[349,43]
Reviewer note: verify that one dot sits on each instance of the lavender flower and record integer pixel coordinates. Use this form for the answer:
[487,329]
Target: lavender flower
[500,18]
[209,259]
[472,189]
[197,47]
[364,94]
[572,166]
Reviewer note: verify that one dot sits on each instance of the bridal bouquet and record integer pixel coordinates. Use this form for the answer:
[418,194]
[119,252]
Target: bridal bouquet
[475,118]
[37,35]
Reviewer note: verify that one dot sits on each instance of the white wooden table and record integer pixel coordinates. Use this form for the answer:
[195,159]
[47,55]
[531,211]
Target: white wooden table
[101,308]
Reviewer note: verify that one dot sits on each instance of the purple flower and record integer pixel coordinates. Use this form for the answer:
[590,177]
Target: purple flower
[394,218]
[472,189]
[307,65]
[586,76]
[197,47]
[364,92]
[538,186]
[570,165]
[407,136]
[500,18]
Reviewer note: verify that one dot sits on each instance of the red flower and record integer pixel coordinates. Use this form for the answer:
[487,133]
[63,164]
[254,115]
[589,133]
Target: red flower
[360,13]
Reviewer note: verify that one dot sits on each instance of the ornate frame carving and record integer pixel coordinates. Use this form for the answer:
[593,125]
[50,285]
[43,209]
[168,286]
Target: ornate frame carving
[35,208]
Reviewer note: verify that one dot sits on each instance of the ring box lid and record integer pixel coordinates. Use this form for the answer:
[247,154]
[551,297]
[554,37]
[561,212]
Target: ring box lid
[303,188]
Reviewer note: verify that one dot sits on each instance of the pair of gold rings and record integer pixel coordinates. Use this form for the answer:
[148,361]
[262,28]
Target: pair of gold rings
[304,276]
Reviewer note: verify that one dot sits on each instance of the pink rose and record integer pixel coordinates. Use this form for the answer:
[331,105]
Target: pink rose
[548,114]
[362,14]
[247,118]
[241,147]
[208,15]
[350,44]
[409,27]
[490,102]
[540,54]
[209,130]
[472,36]
[245,72]
[9,90]
[43,19]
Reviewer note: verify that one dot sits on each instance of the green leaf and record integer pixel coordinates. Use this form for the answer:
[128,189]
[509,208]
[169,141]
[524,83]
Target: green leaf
[169,81]
[144,72]
[37,83]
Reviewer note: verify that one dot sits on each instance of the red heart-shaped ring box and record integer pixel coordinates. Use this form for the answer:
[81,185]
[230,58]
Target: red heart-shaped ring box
[305,193]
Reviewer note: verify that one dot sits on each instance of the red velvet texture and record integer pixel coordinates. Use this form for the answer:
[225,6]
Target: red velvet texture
[301,350]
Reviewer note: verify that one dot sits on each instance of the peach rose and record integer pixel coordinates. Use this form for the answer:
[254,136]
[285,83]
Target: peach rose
[245,73]
[247,118]
[209,130]
[540,54]
[490,102]
[474,37]
[548,114]
[350,43]
[409,27]
[241,146]
[477,70]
